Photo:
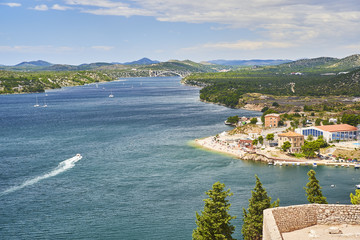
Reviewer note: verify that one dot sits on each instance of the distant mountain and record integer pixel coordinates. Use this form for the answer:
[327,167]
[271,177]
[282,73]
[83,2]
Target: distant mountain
[61,67]
[312,63]
[143,61]
[92,65]
[252,62]
[38,63]
[323,64]
[349,62]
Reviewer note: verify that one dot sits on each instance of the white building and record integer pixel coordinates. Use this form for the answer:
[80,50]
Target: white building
[332,132]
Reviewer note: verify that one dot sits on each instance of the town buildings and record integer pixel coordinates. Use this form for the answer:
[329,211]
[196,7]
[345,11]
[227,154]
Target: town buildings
[272,120]
[342,132]
[296,140]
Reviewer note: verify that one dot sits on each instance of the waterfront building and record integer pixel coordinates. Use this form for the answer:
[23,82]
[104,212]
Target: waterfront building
[296,140]
[272,120]
[343,132]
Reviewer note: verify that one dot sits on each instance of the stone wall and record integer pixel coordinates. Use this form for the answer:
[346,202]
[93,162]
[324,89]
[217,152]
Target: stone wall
[334,214]
[287,219]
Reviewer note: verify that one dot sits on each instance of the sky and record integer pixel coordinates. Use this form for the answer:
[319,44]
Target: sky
[86,31]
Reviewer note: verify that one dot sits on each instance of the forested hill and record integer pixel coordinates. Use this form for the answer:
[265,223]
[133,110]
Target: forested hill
[33,78]
[228,88]
[320,65]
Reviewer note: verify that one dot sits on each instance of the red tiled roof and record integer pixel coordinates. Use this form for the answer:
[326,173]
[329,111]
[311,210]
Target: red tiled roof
[272,115]
[290,134]
[337,128]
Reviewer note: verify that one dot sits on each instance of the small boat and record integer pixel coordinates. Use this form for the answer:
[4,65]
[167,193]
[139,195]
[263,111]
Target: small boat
[37,103]
[77,157]
[314,164]
[358,186]
[357,166]
[298,164]
[45,105]
[111,95]
[332,185]
[270,163]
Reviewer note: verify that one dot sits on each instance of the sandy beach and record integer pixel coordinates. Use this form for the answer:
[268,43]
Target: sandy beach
[269,155]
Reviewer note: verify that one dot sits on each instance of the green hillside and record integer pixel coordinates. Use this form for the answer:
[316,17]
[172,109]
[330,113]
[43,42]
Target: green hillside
[308,77]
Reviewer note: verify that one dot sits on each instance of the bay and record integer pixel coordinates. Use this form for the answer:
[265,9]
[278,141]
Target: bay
[140,177]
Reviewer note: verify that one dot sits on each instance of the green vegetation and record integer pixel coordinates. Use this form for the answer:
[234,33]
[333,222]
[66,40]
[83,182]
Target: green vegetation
[270,137]
[214,221]
[355,199]
[310,147]
[261,139]
[21,82]
[253,120]
[31,78]
[253,216]
[318,77]
[352,119]
[313,189]
[286,146]
[233,119]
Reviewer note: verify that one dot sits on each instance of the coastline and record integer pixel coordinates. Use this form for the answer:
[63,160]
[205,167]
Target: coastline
[268,155]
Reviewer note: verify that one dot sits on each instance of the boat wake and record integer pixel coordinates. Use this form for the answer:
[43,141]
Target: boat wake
[62,167]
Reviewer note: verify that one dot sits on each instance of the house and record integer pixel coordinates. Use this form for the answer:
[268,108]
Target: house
[272,120]
[343,132]
[296,140]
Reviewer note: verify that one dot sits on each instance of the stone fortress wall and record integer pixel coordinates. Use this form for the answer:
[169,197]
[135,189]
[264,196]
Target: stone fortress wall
[287,219]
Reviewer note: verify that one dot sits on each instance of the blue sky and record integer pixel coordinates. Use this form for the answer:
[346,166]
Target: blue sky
[85,31]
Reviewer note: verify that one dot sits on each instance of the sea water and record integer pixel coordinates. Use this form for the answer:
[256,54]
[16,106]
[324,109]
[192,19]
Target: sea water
[139,178]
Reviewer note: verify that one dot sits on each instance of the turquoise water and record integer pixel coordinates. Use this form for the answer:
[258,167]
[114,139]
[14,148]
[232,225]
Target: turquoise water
[139,177]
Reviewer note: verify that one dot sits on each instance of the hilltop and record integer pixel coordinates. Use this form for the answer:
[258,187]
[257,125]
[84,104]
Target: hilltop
[307,78]
[252,62]
[38,63]
[221,84]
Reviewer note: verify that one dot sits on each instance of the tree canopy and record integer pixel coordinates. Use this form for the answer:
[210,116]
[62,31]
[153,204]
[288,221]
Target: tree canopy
[286,146]
[214,221]
[253,216]
[355,199]
[313,189]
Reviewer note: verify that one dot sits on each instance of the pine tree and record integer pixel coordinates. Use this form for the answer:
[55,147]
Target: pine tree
[253,217]
[214,221]
[313,189]
[355,199]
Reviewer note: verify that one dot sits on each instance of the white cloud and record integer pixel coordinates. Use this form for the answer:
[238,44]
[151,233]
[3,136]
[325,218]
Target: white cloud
[60,8]
[102,48]
[241,45]
[12,4]
[41,7]
[302,16]
[276,21]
